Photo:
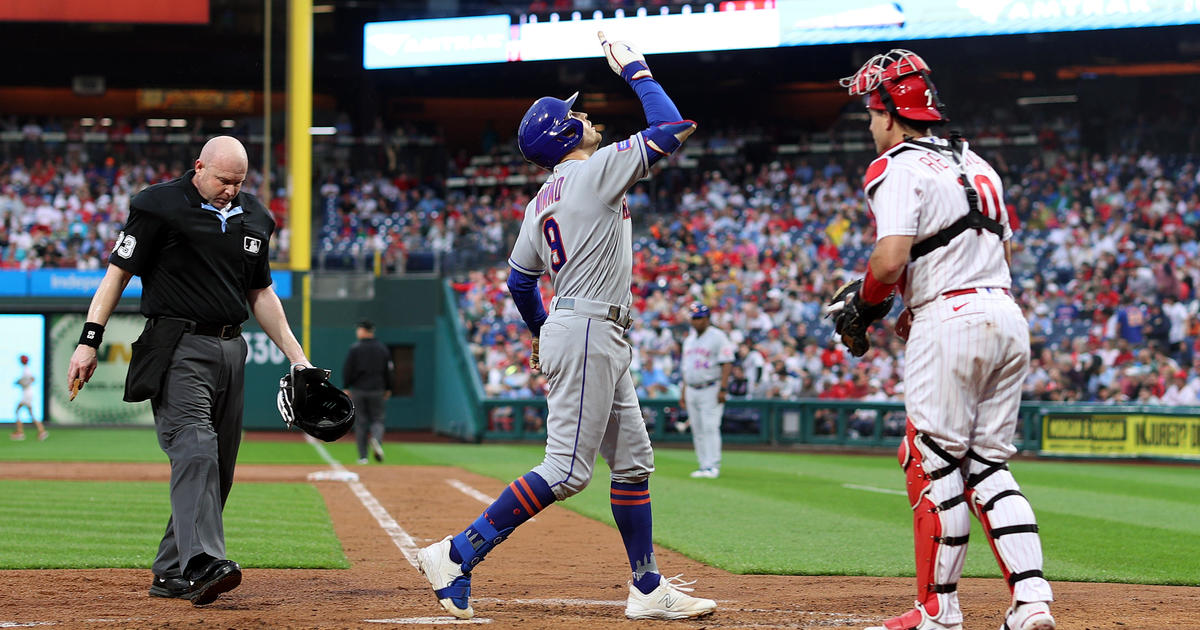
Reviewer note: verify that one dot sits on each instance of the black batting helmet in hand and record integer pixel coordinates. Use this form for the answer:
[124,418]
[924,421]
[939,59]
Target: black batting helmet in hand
[308,400]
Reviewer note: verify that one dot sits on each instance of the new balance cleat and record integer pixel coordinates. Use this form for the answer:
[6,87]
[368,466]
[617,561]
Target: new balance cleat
[670,600]
[451,586]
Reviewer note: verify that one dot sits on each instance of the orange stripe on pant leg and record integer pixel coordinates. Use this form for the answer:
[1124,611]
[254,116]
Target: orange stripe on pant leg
[631,493]
[631,502]
[524,503]
[529,491]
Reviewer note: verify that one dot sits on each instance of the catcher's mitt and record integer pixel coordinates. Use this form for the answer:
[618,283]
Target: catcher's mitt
[852,316]
[308,400]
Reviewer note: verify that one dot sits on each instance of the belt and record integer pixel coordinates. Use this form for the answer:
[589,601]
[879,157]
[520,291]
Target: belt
[223,331]
[618,315]
[950,294]
[704,385]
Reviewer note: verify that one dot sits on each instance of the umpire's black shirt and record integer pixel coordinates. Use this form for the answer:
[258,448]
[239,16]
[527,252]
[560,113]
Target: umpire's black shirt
[368,366]
[195,262]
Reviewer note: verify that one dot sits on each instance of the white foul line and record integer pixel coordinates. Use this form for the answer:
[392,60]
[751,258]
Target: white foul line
[401,538]
[430,621]
[874,489]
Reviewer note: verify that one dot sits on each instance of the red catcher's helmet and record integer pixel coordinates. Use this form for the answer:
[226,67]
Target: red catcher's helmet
[897,82]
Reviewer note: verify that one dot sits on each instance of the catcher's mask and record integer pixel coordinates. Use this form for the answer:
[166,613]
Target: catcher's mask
[308,400]
[898,82]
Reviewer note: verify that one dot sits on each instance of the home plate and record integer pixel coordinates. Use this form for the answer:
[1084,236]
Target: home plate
[436,621]
[333,475]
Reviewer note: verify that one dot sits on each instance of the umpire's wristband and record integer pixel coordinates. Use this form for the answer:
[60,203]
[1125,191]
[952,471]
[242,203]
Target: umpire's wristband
[92,334]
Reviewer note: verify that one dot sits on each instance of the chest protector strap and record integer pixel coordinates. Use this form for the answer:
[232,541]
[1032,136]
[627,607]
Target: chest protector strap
[974,219]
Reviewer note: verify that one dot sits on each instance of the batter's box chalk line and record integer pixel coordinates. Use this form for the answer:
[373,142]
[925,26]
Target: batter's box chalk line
[425,621]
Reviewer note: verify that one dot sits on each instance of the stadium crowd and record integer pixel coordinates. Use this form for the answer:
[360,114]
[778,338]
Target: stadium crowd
[1105,258]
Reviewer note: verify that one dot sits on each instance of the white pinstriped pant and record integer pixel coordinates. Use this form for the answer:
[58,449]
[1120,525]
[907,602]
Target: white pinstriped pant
[967,358]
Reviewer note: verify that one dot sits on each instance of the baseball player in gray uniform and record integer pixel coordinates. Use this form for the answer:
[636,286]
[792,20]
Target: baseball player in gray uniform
[577,229]
[707,361]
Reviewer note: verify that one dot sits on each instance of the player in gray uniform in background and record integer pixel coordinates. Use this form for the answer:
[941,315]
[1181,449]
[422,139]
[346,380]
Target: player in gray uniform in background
[577,228]
[707,361]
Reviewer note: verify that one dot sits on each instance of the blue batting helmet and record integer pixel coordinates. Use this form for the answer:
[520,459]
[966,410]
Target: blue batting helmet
[547,132]
[699,310]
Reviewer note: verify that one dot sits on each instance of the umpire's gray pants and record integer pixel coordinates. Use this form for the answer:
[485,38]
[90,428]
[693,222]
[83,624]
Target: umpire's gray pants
[198,416]
[369,415]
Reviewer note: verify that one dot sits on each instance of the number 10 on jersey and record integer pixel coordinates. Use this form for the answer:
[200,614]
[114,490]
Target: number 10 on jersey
[558,253]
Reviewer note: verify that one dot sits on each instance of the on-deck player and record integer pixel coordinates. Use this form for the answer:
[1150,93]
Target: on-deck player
[577,228]
[943,240]
[705,366]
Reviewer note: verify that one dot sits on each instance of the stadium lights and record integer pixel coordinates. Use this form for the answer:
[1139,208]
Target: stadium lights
[227,123]
[322,131]
[322,8]
[156,122]
[178,122]
[106,122]
[87,122]
[1025,101]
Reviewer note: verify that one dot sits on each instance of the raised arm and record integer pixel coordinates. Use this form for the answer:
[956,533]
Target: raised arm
[668,128]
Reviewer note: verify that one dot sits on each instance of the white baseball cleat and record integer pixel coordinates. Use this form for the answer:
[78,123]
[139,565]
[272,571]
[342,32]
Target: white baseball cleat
[706,473]
[1029,616]
[668,601]
[451,586]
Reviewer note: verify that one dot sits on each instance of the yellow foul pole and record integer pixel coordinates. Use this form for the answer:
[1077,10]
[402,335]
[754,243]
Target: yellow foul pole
[299,146]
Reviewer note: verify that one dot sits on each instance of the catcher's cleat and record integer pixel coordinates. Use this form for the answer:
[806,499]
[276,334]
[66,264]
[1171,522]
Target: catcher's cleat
[376,450]
[1029,616]
[172,587]
[221,576]
[451,586]
[668,601]
[915,619]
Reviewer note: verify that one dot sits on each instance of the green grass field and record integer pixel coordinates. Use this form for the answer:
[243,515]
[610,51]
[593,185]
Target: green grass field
[770,512]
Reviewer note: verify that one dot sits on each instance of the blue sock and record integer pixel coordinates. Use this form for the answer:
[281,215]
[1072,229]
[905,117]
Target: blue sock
[523,498]
[631,511]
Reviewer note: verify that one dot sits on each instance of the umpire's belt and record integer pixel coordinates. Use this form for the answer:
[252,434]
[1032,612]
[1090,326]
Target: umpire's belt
[705,385]
[222,331]
[618,315]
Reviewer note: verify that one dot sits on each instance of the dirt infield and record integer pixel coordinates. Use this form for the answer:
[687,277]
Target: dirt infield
[560,571]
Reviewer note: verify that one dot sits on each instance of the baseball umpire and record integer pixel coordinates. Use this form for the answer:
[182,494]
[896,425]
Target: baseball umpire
[707,361]
[200,246]
[578,229]
[943,239]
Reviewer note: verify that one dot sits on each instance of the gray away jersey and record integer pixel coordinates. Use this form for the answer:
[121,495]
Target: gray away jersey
[578,227]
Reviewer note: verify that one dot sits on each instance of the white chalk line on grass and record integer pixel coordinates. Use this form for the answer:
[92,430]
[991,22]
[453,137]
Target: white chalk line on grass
[874,489]
[401,538]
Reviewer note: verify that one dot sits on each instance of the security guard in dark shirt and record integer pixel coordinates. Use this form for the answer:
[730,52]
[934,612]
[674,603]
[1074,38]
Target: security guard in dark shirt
[368,374]
[201,248]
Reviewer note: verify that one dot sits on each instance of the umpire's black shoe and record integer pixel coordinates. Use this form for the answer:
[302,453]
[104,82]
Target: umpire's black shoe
[175,587]
[221,576]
